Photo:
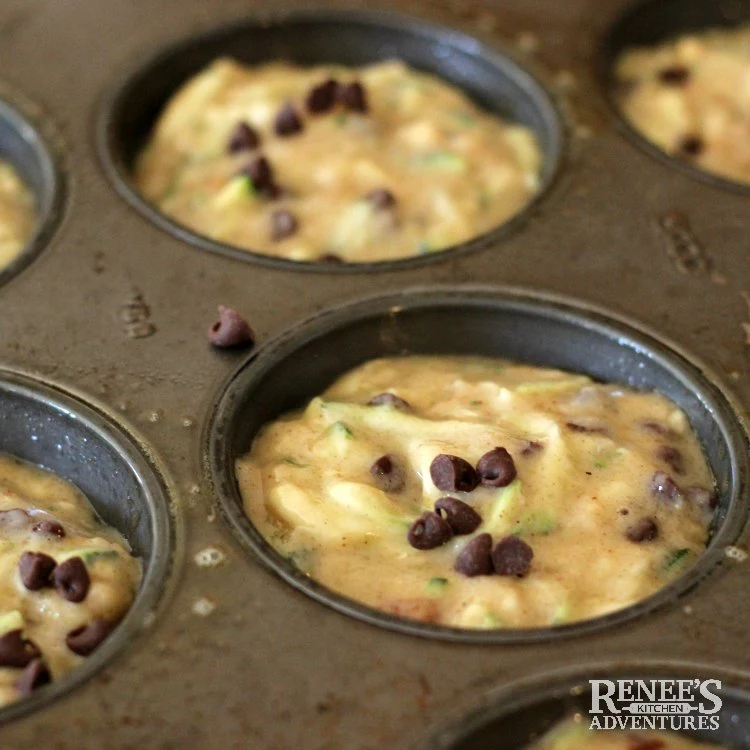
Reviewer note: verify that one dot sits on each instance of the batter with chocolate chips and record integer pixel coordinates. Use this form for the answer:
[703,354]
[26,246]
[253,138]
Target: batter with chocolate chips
[478,493]
[331,164]
[66,579]
[17,214]
[691,97]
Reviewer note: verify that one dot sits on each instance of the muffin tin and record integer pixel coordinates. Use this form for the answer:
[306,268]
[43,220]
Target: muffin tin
[105,339]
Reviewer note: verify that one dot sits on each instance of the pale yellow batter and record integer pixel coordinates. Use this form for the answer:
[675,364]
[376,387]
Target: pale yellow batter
[691,97]
[46,617]
[421,169]
[17,214]
[612,493]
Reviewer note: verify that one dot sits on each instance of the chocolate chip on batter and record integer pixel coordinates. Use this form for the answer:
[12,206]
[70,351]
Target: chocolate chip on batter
[664,487]
[643,530]
[322,97]
[50,528]
[35,675]
[14,519]
[429,531]
[71,579]
[16,651]
[496,468]
[287,121]
[512,557]
[381,199]
[85,639]
[672,457]
[260,172]
[532,447]
[330,258]
[591,428]
[388,474]
[35,569]
[283,224]
[656,428]
[461,517]
[243,138]
[231,329]
[389,399]
[475,559]
[702,497]
[691,145]
[675,75]
[453,474]
[352,96]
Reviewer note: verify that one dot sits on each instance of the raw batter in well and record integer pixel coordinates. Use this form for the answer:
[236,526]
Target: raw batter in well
[691,97]
[66,579]
[17,214]
[478,493]
[334,164]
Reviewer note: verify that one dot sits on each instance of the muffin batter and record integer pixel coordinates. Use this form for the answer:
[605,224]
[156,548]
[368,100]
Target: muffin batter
[17,214]
[334,164]
[66,579]
[585,498]
[691,97]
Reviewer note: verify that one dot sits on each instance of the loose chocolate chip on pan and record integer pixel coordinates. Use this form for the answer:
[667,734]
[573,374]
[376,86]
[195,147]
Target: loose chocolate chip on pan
[475,559]
[381,199]
[676,75]
[16,651]
[387,473]
[702,497]
[461,517]
[283,224]
[87,638]
[389,399]
[643,530]
[352,96]
[50,528]
[512,557]
[71,579]
[231,329]
[35,569]
[429,531]
[243,138]
[672,457]
[287,121]
[322,97]
[664,487]
[453,474]
[35,675]
[496,468]
[691,145]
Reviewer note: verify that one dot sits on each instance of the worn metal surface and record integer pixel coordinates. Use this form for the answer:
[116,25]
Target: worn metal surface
[269,667]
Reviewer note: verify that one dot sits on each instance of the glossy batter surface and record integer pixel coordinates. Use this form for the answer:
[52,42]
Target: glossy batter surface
[30,496]
[17,214]
[450,171]
[611,492]
[691,97]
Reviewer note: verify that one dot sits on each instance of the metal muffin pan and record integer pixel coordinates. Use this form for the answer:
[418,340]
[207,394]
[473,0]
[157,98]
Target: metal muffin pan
[235,657]
[539,330]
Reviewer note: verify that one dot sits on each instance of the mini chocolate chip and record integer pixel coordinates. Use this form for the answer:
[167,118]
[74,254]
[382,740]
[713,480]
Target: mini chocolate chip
[287,121]
[231,329]
[260,172]
[352,96]
[461,517]
[475,559]
[453,474]
[389,399]
[35,569]
[243,138]
[283,224]
[533,446]
[429,531]
[85,639]
[388,474]
[381,199]
[664,487]
[496,468]
[512,557]
[644,530]
[594,429]
[16,651]
[330,258]
[702,497]
[624,511]
[14,519]
[672,457]
[322,97]
[50,528]
[72,580]
[676,75]
[34,676]
[691,145]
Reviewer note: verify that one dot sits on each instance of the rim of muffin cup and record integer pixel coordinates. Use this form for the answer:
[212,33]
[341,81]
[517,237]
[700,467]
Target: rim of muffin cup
[528,326]
[492,76]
